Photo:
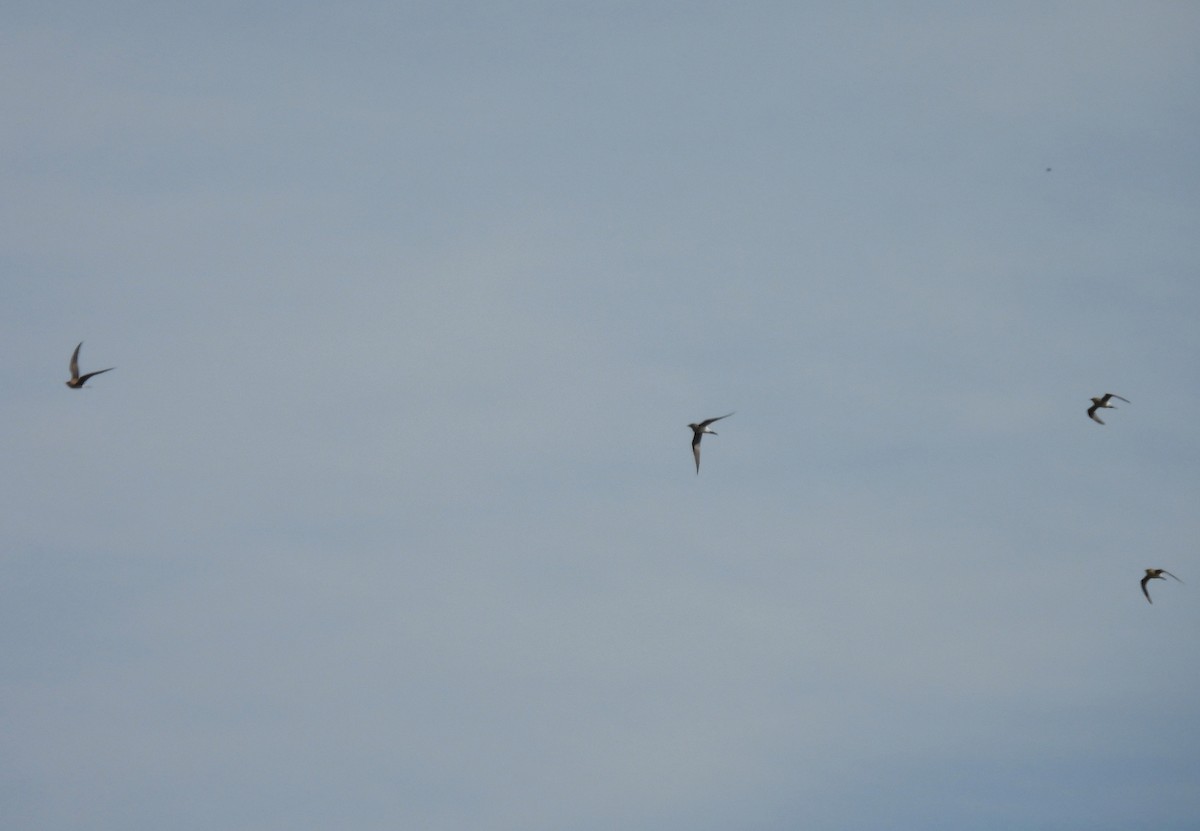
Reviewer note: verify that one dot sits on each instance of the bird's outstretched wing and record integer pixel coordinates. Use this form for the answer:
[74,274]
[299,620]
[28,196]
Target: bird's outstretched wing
[1146,580]
[1169,574]
[83,378]
[696,451]
[1108,395]
[1092,414]
[709,421]
[75,362]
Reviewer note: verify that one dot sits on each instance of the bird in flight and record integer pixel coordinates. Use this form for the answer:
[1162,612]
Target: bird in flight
[698,431]
[77,380]
[1155,574]
[1101,403]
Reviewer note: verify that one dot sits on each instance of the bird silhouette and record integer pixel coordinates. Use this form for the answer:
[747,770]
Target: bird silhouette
[1102,403]
[1155,574]
[698,431]
[77,381]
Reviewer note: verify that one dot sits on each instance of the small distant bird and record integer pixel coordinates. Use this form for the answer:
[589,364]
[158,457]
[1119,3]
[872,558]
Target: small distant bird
[1155,574]
[1101,403]
[698,431]
[77,380]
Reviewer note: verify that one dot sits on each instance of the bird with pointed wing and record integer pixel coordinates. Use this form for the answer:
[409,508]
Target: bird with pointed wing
[77,381]
[1101,403]
[698,431]
[1155,574]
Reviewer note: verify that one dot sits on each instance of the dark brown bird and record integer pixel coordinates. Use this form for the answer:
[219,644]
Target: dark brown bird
[77,381]
[1155,574]
[698,431]
[1102,403]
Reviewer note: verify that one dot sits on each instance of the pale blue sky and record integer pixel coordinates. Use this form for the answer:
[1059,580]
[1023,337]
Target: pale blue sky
[387,517]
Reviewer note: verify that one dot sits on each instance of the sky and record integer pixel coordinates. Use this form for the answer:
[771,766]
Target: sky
[387,517]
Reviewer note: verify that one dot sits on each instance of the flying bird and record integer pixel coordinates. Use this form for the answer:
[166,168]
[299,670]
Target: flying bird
[1101,403]
[698,431]
[77,380]
[1155,574]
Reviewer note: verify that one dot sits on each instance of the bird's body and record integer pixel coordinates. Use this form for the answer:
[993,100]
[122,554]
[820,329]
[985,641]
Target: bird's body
[1101,403]
[1155,574]
[698,431]
[77,381]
